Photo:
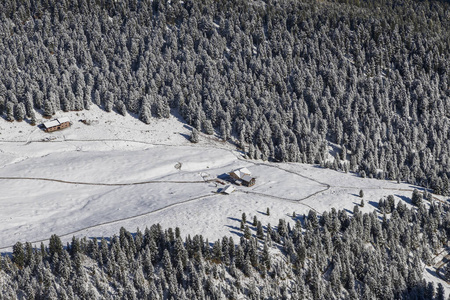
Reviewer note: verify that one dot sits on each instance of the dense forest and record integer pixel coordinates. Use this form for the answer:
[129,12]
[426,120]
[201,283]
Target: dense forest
[338,255]
[285,79]
[282,78]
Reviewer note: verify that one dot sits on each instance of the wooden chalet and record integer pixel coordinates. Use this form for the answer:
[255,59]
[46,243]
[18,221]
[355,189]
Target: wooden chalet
[243,176]
[239,173]
[56,124]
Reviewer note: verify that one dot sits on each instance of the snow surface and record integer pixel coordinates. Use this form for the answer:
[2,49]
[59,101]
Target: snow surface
[90,180]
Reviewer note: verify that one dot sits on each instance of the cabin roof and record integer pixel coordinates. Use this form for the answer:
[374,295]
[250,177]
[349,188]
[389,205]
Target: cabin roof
[247,178]
[56,122]
[63,120]
[228,189]
[245,171]
[240,173]
[51,123]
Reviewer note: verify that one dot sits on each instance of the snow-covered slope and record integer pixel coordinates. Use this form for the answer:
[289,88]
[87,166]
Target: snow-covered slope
[93,179]
[90,180]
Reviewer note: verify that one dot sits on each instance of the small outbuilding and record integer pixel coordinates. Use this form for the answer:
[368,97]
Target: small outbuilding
[56,124]
[228,189]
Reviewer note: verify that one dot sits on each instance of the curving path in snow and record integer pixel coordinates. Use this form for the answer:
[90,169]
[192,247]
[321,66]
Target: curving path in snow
[178,203]
[322,188]
[91,180]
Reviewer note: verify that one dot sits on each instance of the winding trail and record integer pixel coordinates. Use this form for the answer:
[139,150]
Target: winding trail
[298,201]
[117,221]
[325,185]
[105,184]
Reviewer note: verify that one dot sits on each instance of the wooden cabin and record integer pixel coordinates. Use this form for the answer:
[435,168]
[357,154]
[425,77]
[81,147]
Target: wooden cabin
[243,176]
[56,124]
[239,173]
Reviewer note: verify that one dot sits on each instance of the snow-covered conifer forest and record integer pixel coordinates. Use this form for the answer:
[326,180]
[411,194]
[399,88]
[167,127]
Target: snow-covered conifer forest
[330,257]
[284,76]
[358,86]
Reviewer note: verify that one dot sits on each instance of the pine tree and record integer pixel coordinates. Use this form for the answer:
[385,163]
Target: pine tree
[18,255]
[19,111]
[247,233]
[247,268]
[9,111]
[207,127]
[440,294]
[55,246]
[429,291]
[121,108]
[266,260]
[416,198]
[194,136]
[259,230]
[244,218]
[145,114]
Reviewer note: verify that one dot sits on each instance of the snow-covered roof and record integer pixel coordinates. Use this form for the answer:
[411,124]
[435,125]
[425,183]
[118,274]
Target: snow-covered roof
[240,173]
[63,120]
[51,123]
[247,178]
[228,189]
[56,122]
[245,171]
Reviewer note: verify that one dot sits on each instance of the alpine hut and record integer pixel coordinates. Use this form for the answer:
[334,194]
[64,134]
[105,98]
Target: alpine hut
[243,176]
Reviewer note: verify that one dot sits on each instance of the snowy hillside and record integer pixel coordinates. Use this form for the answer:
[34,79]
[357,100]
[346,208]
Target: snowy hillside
[93,179]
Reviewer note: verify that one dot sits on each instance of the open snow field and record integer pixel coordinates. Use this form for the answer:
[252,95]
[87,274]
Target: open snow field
[92,179]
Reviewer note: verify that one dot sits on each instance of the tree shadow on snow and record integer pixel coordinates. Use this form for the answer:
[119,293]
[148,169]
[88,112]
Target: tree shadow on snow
[233,227]
[234,219]
[404,198]
[298,217]
[238,233]
[174,112]
[373,203]
[224,176]
[432,272]
[185,136]
[422,189]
